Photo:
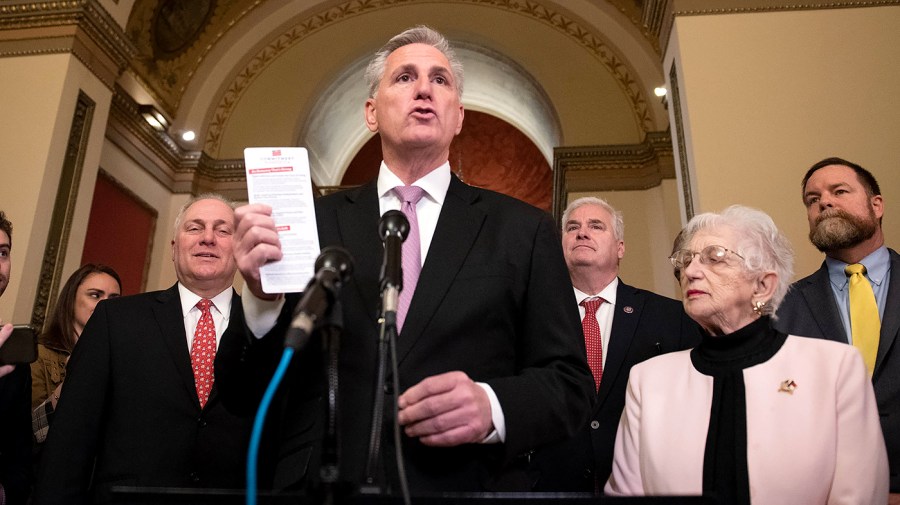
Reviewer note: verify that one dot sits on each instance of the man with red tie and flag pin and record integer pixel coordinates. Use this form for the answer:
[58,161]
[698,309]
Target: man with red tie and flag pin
[622,327]
[140,405]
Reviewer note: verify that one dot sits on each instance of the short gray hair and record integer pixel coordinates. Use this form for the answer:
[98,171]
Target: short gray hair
[420,34]
[194,199]
[618,222]
[763,246]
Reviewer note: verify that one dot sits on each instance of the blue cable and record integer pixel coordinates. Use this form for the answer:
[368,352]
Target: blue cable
[256,435]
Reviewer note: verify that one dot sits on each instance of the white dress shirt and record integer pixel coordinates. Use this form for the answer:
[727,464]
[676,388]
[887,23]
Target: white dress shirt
[220,311]
[604,313]
[435,184]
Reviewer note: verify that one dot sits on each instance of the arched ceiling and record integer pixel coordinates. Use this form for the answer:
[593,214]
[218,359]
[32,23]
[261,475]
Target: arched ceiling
[251,72]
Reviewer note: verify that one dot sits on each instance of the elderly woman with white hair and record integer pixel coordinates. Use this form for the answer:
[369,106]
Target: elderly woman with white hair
[750,415]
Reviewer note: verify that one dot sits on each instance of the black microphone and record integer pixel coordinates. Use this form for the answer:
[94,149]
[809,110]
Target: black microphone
[393,229]
[333,267]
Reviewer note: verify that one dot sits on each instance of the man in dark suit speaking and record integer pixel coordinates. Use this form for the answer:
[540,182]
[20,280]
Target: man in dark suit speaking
[622,326]
[491,363]
[844,208]
[140,406]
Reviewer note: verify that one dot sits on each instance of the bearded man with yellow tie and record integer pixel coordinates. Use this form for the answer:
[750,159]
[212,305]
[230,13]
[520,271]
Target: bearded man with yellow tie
[140,405]
[850,299]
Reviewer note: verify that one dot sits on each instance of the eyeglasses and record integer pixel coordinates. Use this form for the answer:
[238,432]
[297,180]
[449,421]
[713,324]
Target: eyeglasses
[710,255]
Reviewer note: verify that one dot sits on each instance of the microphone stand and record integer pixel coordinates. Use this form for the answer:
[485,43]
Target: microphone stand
[387,342]
[386,336]
[398,447]
[393,229]
[333,490]
[320,312]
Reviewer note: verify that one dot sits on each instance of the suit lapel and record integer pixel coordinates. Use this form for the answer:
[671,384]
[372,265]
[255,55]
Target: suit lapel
[817,294]
[358,224]
[170,321]
[625,320]
[890,323]
[457,228]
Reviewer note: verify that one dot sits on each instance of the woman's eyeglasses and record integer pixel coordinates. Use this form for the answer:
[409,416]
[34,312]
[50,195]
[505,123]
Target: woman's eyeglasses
[710,255]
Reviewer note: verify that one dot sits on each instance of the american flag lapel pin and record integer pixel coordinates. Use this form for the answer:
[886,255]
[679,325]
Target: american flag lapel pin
[787,386]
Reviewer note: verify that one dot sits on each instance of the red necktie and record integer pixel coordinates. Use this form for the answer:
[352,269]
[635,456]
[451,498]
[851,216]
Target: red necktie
[203,351]
[592,341]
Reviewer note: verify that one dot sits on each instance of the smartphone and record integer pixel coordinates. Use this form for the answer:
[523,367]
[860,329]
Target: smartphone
[20,347]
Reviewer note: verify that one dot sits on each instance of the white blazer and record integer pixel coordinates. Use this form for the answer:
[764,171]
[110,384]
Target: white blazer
[819,444]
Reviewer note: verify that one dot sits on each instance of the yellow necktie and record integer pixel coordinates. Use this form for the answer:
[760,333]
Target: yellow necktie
[865,325]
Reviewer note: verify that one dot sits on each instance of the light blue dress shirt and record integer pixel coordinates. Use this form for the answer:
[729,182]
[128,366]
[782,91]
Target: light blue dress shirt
[878,271]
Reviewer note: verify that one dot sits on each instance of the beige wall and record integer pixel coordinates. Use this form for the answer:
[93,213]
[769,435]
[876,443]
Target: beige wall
[764,96]
[40,95]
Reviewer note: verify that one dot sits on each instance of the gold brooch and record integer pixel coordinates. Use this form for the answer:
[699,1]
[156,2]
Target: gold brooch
[787,386]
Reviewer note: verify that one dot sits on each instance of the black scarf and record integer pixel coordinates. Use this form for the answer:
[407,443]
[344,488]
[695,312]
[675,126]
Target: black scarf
[724,358]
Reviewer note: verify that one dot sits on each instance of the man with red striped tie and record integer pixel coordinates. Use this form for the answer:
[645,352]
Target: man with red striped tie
[622,326]
[140,406]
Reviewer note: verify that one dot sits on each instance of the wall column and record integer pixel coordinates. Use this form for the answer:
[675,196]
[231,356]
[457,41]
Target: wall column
[58,66]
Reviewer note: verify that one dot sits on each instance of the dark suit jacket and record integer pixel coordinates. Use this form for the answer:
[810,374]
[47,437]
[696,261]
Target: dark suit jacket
[15,435]
[644,325]
[130,407]
[493,300]
[809,310]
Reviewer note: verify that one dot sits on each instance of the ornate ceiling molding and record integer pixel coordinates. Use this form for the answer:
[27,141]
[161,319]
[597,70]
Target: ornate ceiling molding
[585,169]
[80,27]
[706,7]
[588,38]
[226,177]
[576,169]
[653,19]
[154,151]
[178,170]
[166,76]
[674,8]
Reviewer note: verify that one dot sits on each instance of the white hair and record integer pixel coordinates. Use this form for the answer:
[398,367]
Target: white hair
[618,222]
[762,245]
[202,196]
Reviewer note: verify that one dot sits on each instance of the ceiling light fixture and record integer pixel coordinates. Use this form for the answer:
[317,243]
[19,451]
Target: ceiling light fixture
[154,118]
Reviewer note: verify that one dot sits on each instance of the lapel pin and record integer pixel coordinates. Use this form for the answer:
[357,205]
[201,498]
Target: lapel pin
[787,386]
[628,309]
